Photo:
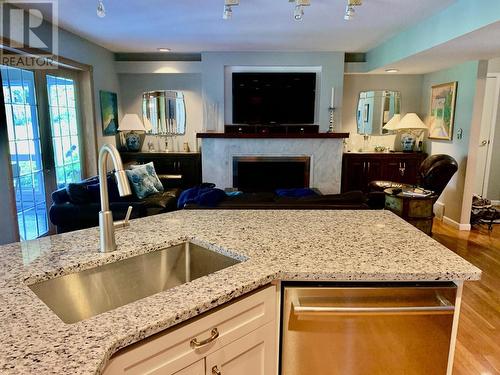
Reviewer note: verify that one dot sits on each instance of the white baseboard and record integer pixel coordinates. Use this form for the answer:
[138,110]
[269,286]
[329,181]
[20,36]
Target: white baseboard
[439,210]
[495,203]
[455,224]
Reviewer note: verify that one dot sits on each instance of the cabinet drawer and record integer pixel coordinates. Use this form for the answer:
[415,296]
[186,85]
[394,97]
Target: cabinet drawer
[172,351]
[197,368]
[253,354]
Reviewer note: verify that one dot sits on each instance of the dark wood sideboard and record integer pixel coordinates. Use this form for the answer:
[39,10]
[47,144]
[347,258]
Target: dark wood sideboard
[178,169]
[358,169]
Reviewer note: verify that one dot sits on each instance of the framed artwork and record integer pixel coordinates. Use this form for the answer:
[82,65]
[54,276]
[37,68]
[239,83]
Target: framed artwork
[442,111]
[109,112]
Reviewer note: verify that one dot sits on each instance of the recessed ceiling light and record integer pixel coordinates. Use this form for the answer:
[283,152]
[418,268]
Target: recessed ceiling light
[392,70]
[163,49]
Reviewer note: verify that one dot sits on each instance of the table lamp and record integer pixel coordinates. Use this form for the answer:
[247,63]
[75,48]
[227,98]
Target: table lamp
[131,124]
[410,125]
[393,122]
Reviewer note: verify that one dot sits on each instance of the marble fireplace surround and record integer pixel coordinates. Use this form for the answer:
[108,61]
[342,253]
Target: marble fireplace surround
[325,158]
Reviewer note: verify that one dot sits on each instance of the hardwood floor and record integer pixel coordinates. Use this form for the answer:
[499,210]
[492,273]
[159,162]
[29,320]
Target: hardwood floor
[478,345]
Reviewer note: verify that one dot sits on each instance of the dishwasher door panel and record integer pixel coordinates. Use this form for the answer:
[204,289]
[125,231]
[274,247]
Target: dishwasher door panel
[362,330]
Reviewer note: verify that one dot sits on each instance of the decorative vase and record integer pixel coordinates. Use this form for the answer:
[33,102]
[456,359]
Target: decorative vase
[133,141]
[408,143]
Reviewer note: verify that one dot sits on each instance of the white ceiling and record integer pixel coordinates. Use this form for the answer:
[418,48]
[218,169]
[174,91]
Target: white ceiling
[257,25]
[482,44]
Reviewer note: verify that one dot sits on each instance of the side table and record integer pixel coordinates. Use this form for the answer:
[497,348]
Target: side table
[416,210]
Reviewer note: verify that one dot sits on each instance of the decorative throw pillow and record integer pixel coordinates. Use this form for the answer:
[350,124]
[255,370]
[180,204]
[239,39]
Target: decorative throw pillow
[142,181]
[150,167]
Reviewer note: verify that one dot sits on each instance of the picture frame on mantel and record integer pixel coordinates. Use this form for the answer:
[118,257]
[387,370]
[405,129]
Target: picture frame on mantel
[109,113]
[442,111]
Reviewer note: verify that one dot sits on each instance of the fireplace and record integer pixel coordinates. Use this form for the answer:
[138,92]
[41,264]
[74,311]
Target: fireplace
[268,173]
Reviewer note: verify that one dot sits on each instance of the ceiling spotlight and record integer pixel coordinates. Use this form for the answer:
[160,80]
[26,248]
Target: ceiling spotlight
[349,12]
[101,10]
[228,12]
[228,8]
[163,49]
[392,70]
[298,13]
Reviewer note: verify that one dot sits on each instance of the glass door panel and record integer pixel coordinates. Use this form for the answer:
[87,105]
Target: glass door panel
[25,151]
[64,129]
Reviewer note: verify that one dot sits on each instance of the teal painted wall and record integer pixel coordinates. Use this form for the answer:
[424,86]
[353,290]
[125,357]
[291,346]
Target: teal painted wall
[466,75]
[462,17]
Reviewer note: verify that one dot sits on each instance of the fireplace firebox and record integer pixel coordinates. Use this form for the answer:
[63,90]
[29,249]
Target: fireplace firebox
[268,173]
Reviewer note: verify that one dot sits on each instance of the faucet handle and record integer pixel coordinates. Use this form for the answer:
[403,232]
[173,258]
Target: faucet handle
[127,216]
[126,222]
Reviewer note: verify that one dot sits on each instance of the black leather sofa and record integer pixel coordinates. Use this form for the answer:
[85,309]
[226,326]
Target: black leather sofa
[77,206]
[353,200]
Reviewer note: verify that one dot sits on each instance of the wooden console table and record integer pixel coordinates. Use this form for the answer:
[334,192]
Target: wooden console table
[360,168]
[179,169]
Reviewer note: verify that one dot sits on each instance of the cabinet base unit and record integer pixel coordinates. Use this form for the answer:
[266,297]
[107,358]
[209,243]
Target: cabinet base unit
[237,337]
[368,328]
[359,169]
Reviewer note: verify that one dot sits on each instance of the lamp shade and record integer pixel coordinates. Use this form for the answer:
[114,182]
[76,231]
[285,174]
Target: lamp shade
[410,121]
[393,122]
[131,122]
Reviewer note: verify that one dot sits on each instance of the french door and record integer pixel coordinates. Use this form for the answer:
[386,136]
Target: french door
[44,143]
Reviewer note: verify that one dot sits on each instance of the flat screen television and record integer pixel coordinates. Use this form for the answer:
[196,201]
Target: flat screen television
[274,98]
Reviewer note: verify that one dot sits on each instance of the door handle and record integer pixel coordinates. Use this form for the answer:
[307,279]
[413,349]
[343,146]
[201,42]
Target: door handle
[197,344]
[216,371]
[484,143]
[444,307]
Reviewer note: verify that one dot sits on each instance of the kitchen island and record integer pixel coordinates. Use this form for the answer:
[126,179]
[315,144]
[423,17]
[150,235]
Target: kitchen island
[273,245]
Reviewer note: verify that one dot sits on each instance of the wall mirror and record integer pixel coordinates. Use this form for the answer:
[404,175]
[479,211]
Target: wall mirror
[165,111]
[375,109]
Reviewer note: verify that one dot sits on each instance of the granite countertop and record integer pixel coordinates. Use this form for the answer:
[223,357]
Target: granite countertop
[285,245]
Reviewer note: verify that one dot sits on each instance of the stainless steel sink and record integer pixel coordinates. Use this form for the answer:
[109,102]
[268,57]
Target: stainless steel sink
[84,294]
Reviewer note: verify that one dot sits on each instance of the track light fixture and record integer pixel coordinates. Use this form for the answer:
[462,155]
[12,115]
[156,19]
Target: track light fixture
[349,12]
[350,9]
[298,11]
[101,10]
[228,8]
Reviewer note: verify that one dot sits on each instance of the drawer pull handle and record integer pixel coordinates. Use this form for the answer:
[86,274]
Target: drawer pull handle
[216,371]
[196,344]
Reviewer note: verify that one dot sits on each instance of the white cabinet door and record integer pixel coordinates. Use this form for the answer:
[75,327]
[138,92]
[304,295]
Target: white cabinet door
[253,354]
[197,368]
[172,351]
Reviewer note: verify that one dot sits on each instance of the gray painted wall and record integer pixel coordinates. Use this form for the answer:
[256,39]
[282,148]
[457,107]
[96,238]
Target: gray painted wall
[214,63]
[74,47]
[410,87]
[132,87]
[105,78]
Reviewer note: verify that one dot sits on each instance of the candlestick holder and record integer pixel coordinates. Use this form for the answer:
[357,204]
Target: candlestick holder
[331,128]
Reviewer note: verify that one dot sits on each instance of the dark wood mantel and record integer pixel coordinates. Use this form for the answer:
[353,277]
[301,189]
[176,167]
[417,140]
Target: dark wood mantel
[267,136]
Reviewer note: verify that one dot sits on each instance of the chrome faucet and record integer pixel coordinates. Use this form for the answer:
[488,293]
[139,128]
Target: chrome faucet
[106,224]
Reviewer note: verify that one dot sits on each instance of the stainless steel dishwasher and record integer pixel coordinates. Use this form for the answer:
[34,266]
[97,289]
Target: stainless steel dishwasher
[367,328]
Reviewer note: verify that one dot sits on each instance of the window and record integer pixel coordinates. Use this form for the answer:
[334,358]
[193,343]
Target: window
[64,129]
[44,156]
